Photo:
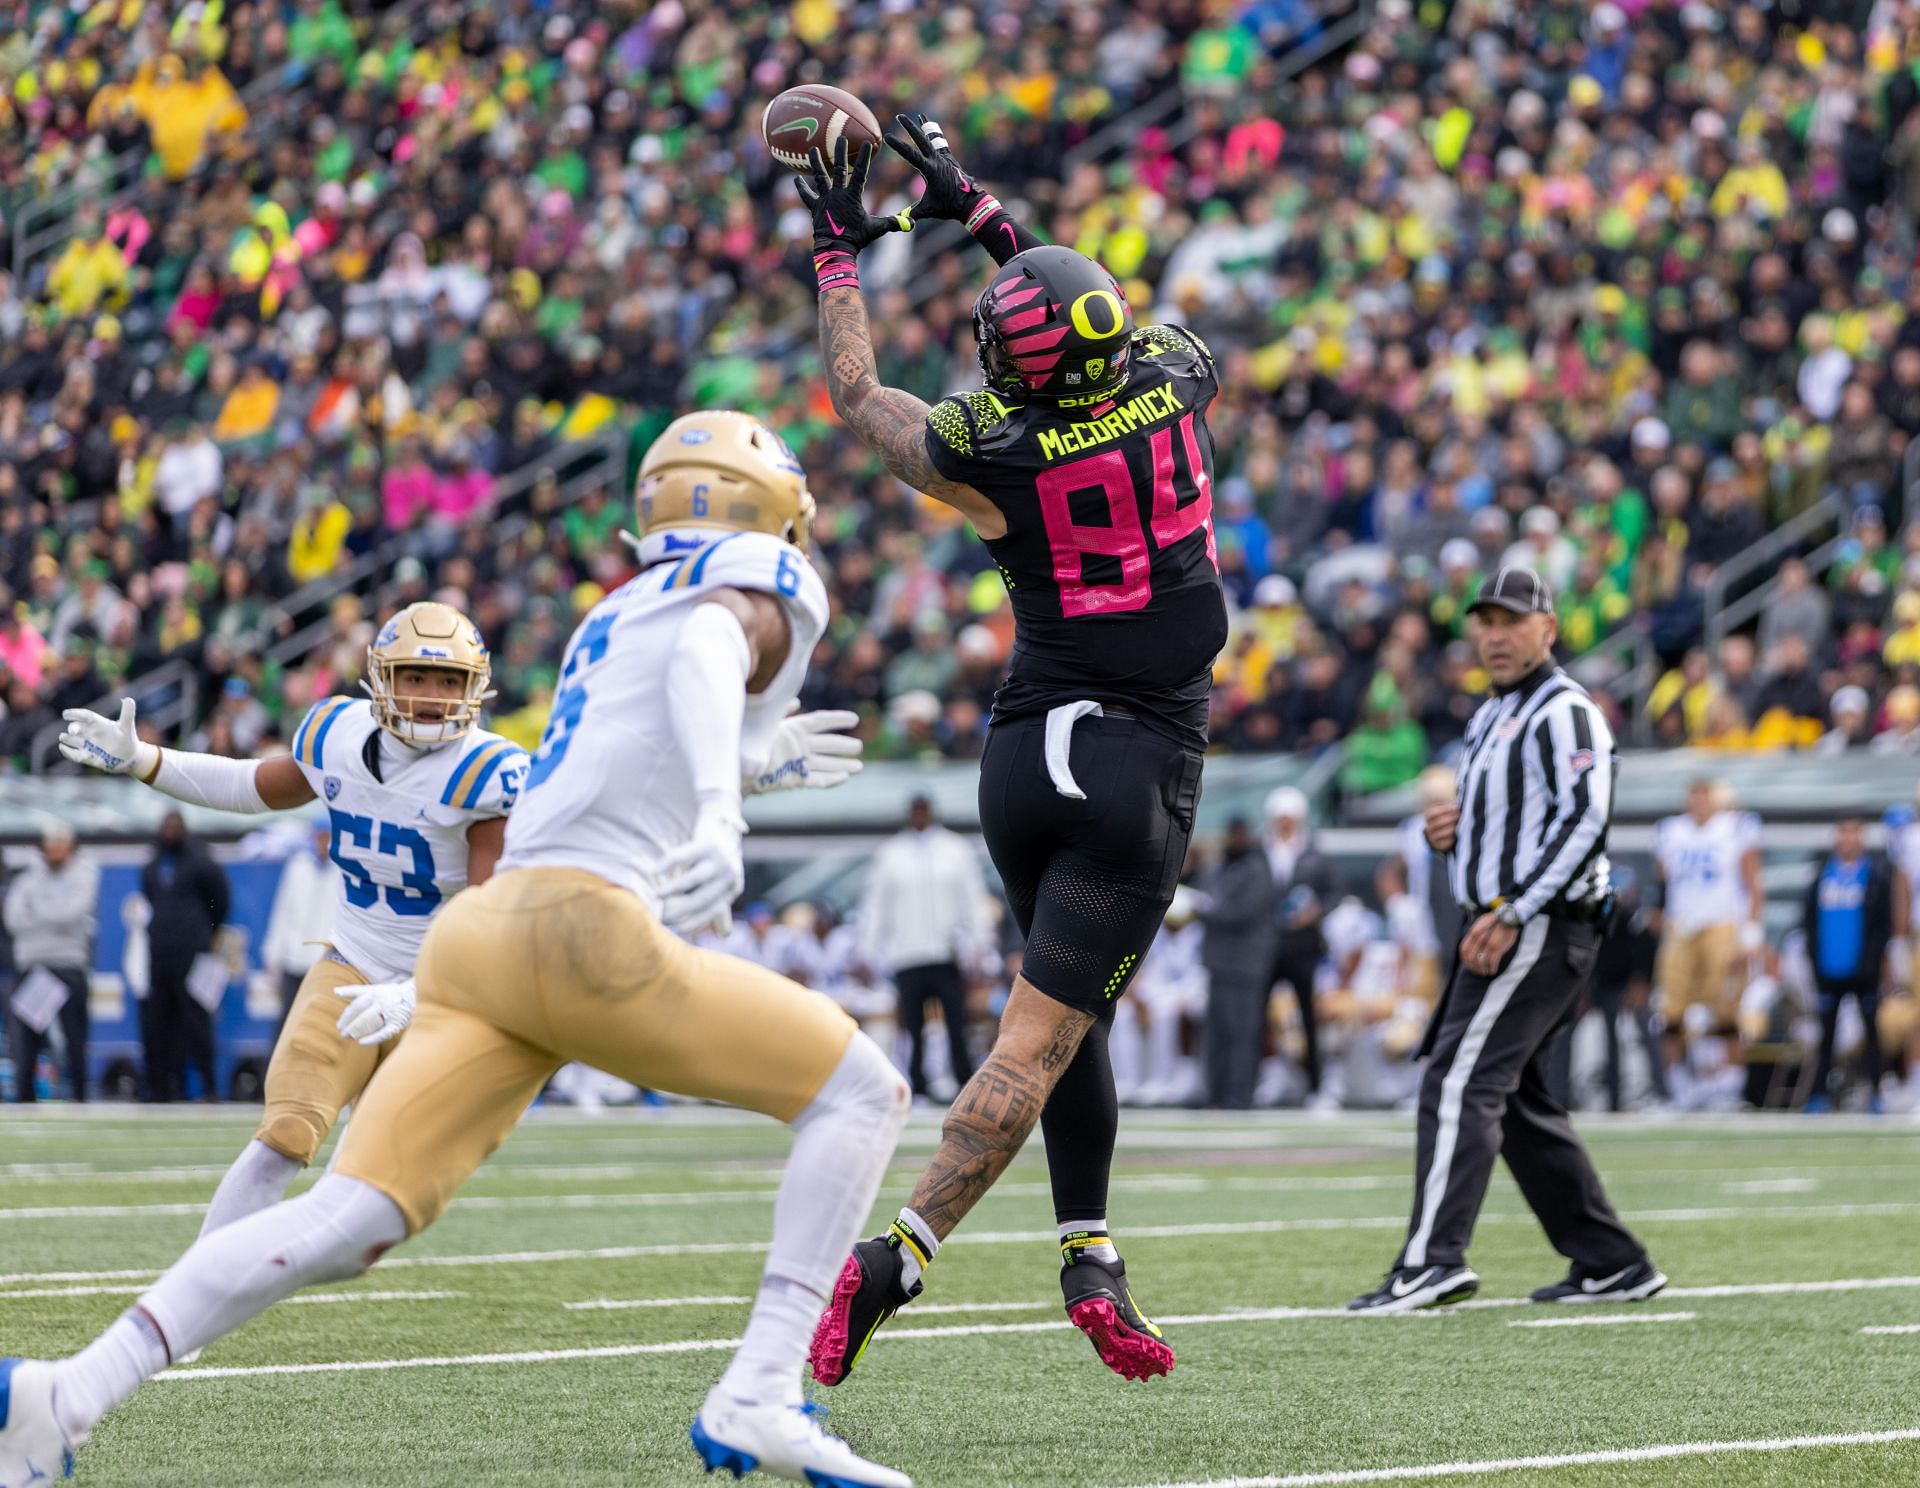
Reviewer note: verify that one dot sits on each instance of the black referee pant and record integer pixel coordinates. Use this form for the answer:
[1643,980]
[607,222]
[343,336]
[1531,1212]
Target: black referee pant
[1485,1095]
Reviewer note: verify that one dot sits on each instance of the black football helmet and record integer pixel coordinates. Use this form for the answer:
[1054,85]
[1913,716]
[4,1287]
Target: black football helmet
[1053,326]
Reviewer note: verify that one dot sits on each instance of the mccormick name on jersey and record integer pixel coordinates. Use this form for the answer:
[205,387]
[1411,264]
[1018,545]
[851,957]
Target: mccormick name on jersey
[1136,413]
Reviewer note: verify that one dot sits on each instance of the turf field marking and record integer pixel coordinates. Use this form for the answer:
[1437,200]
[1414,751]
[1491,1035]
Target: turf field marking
[307,1298]
[448,1361]
[1432,1470]
[1601,1322]
[1771,1186]
[623,1304]
[1889,1328]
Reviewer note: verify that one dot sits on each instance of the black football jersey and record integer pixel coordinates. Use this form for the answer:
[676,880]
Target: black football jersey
[1109,552]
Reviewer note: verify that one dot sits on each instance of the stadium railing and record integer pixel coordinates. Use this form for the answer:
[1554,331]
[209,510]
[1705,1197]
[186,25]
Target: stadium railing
[583,465]
[42,226]
[167,696]
[1724,614]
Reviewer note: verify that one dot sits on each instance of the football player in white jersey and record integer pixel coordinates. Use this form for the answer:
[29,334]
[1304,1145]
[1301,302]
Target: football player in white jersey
[417,797]
[1711,910]
[672,703]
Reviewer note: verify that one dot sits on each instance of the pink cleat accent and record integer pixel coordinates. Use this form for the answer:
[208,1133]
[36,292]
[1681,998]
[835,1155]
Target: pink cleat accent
[828,1355]
[1128,1352]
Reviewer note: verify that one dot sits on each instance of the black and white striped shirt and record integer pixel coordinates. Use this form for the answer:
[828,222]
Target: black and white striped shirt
[1535,796]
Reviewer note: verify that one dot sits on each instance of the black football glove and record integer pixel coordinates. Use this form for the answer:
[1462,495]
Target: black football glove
[837,198]
[951,194]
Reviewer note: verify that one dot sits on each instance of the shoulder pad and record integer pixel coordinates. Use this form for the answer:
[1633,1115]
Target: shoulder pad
[310,739]
[488,777]
[1157,340]
[959,416]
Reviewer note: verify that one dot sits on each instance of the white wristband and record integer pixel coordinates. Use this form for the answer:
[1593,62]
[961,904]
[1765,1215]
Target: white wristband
[209,780]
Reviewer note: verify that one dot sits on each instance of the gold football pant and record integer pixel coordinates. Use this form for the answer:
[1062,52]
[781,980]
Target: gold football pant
[541,966]
[314,1071]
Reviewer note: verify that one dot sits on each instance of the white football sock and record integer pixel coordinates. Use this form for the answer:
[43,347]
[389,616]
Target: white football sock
[334,1232]
[106,1372]
[917,1247]
[1089,1238]
[841,1146]
[259,1177]
[766,1370]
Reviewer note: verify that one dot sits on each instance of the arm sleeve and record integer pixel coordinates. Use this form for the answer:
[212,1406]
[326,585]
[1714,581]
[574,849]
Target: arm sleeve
[1582,753]
[707,699]
[995,230]
[209,780]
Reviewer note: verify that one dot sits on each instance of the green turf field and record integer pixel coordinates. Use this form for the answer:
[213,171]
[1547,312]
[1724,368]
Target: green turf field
[467,1358]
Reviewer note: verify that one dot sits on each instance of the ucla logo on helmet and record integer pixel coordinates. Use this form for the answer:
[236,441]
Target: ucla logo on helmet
[695,436]
[333,786]
[389,633]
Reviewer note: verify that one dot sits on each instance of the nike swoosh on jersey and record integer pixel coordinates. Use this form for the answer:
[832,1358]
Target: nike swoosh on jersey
[1419,1281]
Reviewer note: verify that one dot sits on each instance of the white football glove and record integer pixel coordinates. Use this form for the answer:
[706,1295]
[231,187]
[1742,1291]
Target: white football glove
[810,750]
[1753,936]
[700,879]
[108,744]
[377,1013]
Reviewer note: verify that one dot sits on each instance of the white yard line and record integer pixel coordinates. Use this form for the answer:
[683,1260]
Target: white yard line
[1130,1232]
[1892,1328]
[1432,1470]
[624,1304]
[973,1330]
[1605,1321]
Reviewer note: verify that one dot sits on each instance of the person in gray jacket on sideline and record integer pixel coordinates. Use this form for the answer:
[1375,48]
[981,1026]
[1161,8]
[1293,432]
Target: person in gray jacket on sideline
[50,914]
[1237,952]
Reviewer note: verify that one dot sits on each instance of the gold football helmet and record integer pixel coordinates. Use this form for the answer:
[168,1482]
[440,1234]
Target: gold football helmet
[716,472]
[428,635]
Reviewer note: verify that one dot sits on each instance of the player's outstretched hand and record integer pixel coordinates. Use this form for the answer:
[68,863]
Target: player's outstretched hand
[100,743]
[951,193]
[836,197]
[378,1011]
[700,879]
[813,751]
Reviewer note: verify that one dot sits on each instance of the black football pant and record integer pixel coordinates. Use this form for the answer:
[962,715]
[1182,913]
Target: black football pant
[74,1023]
[1832,993]
[918,986]
[1088,882]
[178,1034]
[1484,1095]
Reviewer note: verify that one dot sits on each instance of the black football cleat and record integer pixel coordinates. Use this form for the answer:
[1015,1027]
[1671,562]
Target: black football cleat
[1100,1305]
[1411,1288]
[866,1295]
[1633,1283]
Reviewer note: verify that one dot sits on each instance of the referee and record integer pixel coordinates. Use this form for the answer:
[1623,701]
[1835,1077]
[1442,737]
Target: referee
[1526,836]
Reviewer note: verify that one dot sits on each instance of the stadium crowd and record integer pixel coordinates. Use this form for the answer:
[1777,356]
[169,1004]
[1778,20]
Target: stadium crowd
[1611,291]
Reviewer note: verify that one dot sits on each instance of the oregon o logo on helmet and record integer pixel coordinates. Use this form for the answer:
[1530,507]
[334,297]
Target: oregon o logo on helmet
[1083,323]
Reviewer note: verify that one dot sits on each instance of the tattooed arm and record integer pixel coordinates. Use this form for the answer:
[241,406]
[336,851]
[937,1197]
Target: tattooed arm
[992,1118]
[891,420]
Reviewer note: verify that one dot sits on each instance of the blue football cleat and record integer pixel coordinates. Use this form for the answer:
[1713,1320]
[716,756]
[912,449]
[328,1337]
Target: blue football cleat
[33,1449]
[783,1441]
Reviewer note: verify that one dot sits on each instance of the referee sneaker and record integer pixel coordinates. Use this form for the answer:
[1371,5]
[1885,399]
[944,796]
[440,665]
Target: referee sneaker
[1526,837]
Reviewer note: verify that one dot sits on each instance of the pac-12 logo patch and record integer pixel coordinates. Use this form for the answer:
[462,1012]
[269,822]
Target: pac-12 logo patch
[333,786]
[1096,367]
[1580,761]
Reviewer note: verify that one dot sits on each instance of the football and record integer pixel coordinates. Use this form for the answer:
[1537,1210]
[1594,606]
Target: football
[810,118]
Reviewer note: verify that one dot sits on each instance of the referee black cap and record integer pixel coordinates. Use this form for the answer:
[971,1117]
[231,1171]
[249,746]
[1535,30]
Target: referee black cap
[1518,589]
